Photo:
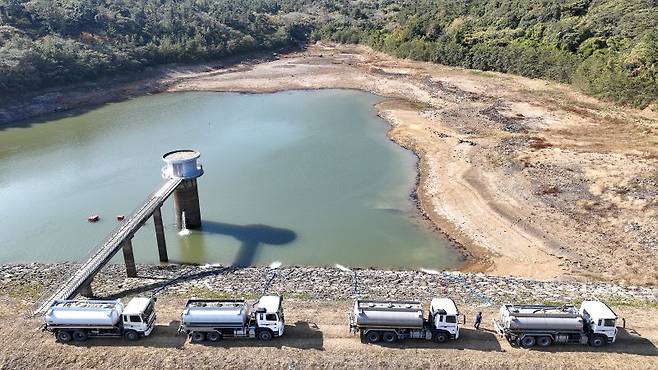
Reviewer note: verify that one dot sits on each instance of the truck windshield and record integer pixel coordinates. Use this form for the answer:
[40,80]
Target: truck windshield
[451,319]
[270,317]
[609,322]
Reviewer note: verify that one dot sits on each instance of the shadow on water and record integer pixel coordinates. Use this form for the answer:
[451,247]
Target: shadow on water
[252,237]
[47,117]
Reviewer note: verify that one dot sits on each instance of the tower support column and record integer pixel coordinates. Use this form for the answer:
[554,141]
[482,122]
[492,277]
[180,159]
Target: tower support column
[183,164]
[85,289]
[159,235]
[129,258]
[186,199]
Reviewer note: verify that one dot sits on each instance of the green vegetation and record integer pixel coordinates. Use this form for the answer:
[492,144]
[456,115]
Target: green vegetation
[606,48]
[51,42]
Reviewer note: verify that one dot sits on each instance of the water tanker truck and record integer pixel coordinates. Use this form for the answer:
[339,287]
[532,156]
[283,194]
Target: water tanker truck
[216,319]
[529,325]
[81,319]
[390,321]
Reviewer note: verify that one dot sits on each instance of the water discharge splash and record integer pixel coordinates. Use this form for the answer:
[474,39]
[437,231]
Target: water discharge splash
[184,231]
[431,272]
[275,265]
[355,280]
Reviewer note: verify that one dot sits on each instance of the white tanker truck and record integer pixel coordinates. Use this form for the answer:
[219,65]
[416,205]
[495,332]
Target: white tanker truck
[81,319]
[215,319]
[390,321]
[542,325]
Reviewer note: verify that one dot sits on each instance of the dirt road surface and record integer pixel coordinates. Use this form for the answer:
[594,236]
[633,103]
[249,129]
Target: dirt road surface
[317,337]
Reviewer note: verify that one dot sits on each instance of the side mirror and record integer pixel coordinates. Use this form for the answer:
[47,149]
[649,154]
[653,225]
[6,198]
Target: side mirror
[464,317]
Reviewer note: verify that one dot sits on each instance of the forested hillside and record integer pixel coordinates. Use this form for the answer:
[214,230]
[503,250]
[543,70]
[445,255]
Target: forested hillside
[607,48]
[52,42]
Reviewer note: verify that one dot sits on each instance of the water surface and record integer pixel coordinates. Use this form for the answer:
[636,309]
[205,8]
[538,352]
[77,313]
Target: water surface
[304,177]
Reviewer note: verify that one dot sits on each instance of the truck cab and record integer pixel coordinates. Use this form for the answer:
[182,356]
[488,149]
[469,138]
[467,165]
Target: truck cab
[600,322]
[444,318]
[138,317]
[268,314]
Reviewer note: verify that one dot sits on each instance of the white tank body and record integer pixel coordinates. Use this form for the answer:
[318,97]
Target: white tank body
[536,317]
[394,314]
[220,314]
[84,313]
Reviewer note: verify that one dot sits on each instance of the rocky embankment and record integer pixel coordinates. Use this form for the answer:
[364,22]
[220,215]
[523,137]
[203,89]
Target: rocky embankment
[28,281]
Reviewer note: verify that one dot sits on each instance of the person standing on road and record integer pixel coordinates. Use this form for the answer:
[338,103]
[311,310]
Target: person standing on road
[478,320]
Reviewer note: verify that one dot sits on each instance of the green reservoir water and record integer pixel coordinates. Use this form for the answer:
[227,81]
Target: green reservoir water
[301,177]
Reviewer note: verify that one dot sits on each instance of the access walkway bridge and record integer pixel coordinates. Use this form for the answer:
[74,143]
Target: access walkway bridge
[71,284]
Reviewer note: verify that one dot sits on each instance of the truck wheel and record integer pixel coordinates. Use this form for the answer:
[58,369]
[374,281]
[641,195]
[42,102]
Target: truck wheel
[63,336]
[198,337]
[389,337]
[440,337]
[131,335]
[544,341]
[373,337]
[598,341]
[79,336]
[528,342]
[265,335]
[214,336]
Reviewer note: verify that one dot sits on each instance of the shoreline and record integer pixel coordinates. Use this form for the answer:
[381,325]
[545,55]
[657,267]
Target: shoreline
[473,181]
[318,283]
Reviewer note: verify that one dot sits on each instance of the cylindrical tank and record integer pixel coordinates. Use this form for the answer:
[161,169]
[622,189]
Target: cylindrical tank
[200,314]
[388,314]
[84,313]
[540,318]
[183,164]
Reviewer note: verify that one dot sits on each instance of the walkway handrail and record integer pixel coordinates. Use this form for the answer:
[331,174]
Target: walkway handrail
[67,286]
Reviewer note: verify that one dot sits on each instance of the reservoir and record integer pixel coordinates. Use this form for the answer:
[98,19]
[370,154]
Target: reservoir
[301,177]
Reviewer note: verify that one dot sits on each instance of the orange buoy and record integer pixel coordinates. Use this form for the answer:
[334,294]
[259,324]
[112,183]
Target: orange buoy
[93,218]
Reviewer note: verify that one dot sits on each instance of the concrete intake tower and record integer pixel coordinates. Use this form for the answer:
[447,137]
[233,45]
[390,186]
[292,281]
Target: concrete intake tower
[183,164]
